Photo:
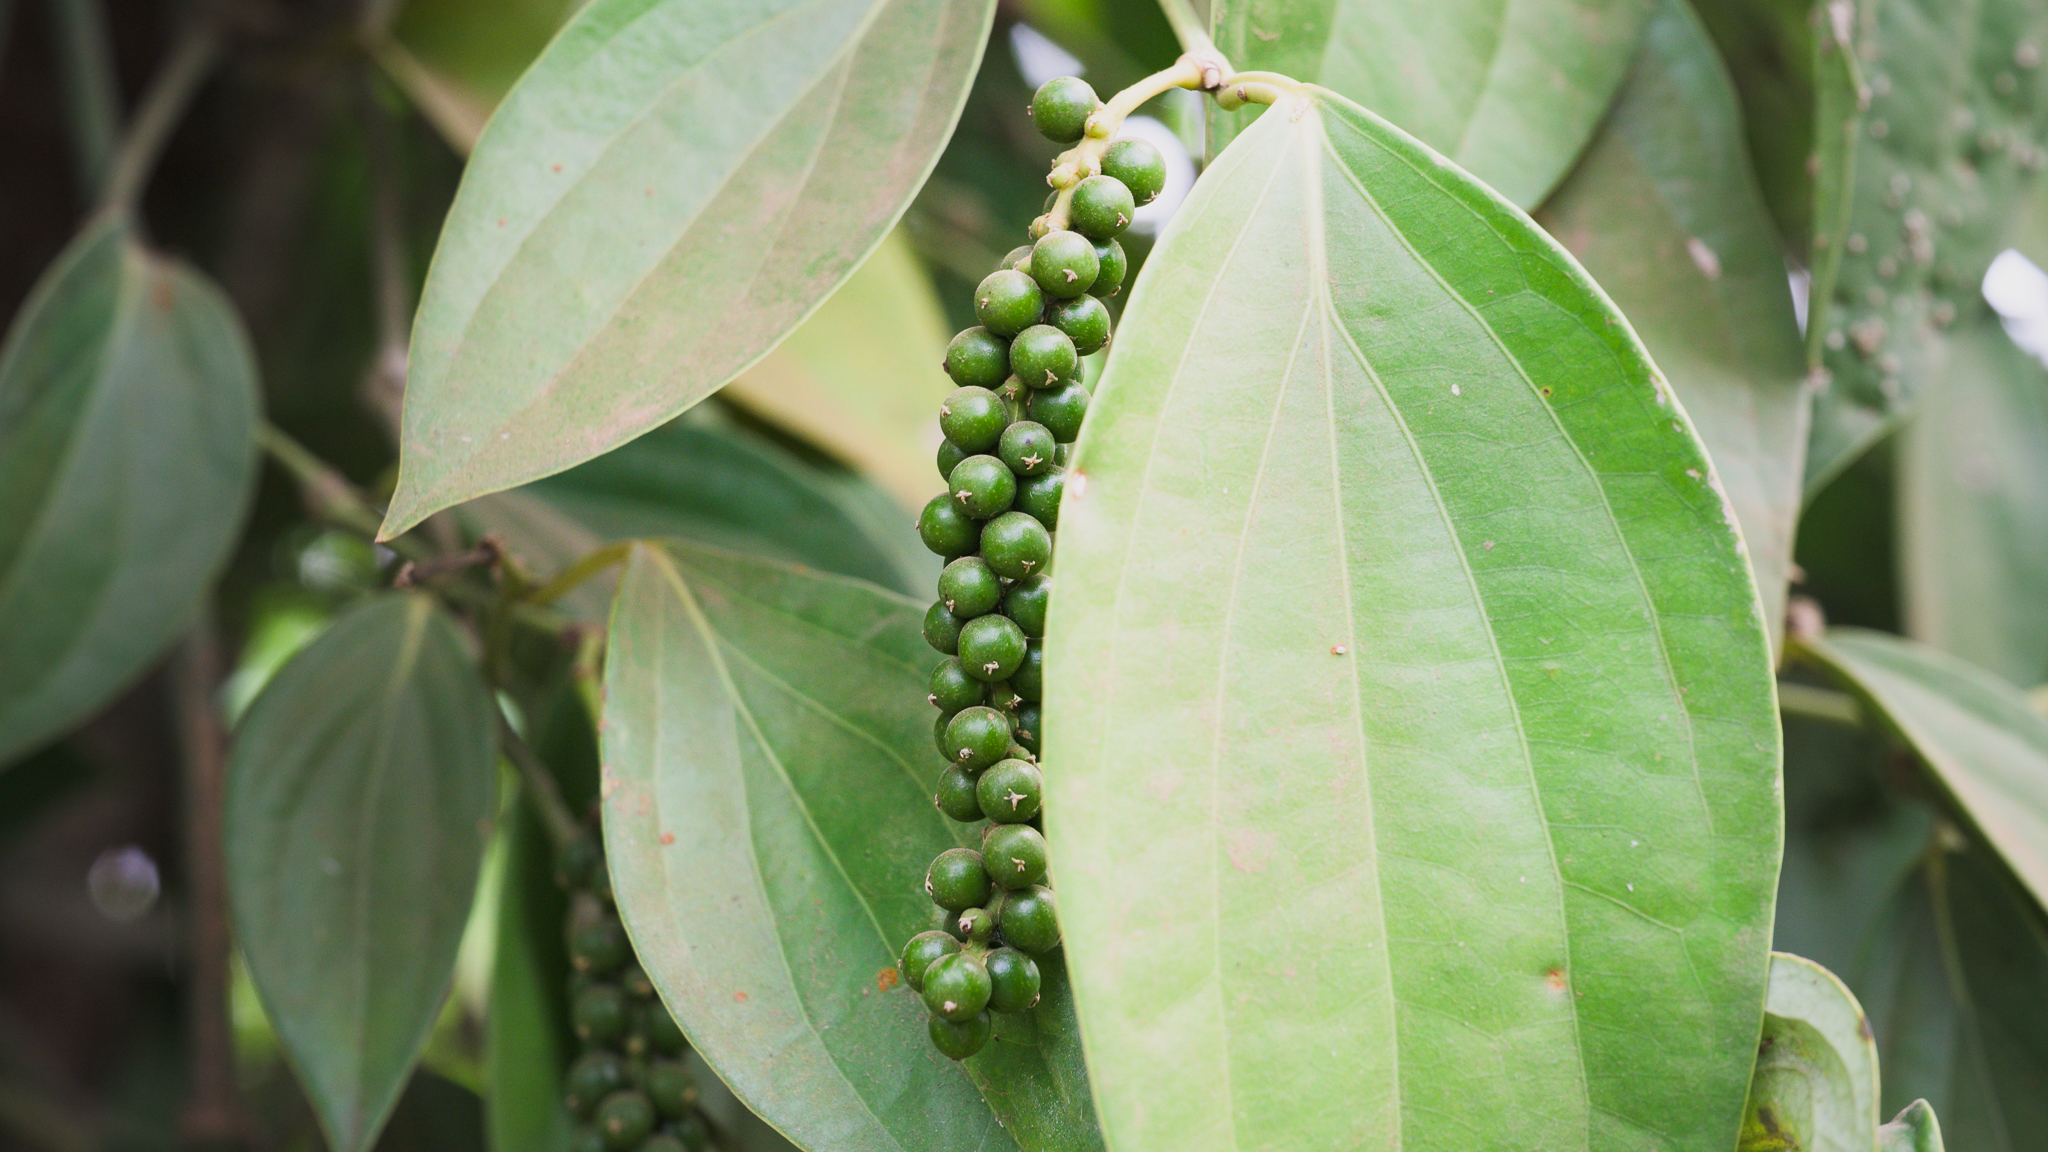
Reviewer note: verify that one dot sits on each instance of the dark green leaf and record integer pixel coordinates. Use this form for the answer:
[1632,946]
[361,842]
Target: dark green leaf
[1664,213]
[1768,46]
[1511,92]
[768,819]
[1815,1085]
[1409,705]
[360,793]
[668,191]
[528,1044]
[127,450]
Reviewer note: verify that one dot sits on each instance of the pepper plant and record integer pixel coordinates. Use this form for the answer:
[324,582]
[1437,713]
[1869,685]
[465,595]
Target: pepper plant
[1498,615]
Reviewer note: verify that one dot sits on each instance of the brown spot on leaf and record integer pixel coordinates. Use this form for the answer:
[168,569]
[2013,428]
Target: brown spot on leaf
[668,837]
[886,979]
[1554,979]
[739,997]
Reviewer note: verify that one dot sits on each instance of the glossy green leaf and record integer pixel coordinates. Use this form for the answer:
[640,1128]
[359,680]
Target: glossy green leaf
[361,787]
[1976,733]
[127,454]
[768,757]
[1913,1130]
[670,189]
[1973,526]
[1815,1085]
[1412,774]
[1511,92]
[1664,213]
[1954,132]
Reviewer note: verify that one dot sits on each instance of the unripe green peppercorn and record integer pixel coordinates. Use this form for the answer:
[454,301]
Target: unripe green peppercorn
[1029,919]
[974,418]
[1013,980]
[1043,355]
[1059,409]
[691,1133]
[1039,496]
[594,1076]
[1139,165]
[1101,208]
[1008,301]
[1083,319]
[976,738]
[947,923]
[1110,266]
[918,955]
[633,980]
[949,457]
[977,924]
[599,1014]
[660,1029]
[956,795]
[942,629]
[1016,546]
[1010,791]
[1014,855]
[956,987]
[581,859]
[1061,107]
[1064,264]
[1022,252]
[952,688]
[945,529]
[991,647]
[663,1142]
[624,1119]
[1028,681]
[978,357]
[586,1138]
[1025,603]
[600,947]
[939,734]
[1027,447]
[1029,717]
[957,880]
[983,486]
[670,1087]
[959,1041]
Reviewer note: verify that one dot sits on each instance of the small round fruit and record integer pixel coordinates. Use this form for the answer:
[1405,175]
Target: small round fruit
[1025,603]
[1061,108]
[1083,319]
[978,357]
[956,987]
[945,529]
[1042,356]
[691,1133]
[587,1138]
[1008,301]
[977,737]
[581,858]
[952,688]
[1013,981]
[992,647]
[660,1029]
[1139,165]
[1014,855]
[974,418]
[1021,254]
[947,923]
[663,1142]
[1111,265]
[1010,791]
[1101,208]
[961,1040]
[1039,496]
[956,795]
[1064,264]
[957,881]
[1030,920]
[918,955]
[977,924]
[1029,717]
[1028,681]
[983,486]
[625,1118]
[634,980]
[594,1076]
[942,629]
[599,947]
[1059,409]
[599,1014]
[670,1087]
[1027,447]
[1016,546]
[949,457]
[939,734]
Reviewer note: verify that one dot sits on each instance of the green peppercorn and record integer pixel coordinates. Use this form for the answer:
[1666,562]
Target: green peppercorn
[1111,265]
[1059,409]
[1061,107]
[691,1133]
[976,738]
[654,1024]
[671,1087]
[581,859]
[947,923]
[957,880]
[974,418]
[600,947]
[956,987]
[991,647]
[594,1076]
[1026,728]
[663,1142]
[1025,603]
[945,529]
[1019,752]
[942,629]
[1064,264]
[939,734]
[949,457]
[1139,165]
[1013,980]
[1008,301]
[977,924]
[1027,447]
[919,953]
[983,486]
[956,795]
[1029,918]
[978,357]
[1043,356]
[1016,546]
[625,1118]
[586,1138]
[1014,855]
[952,688]
[1083,319]
[961,1040]
[635,982]
[1021,254]
[1101,208]
[599,1014]
[1039,496]
[1010,791]
[1028,681]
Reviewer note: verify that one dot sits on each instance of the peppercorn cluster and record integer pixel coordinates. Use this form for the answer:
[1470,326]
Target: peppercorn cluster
[1008,427]
[629,1088]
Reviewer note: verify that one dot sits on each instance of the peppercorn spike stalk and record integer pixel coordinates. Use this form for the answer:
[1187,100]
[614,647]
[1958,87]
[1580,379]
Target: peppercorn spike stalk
[1197,70]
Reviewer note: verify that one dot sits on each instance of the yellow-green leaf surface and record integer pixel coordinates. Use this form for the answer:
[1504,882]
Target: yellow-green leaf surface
[361,787]
[1510,91]
[1815,1085]
[671,188]
[1412,776]
[1975,732]
[1913,1130]
[768,767]
[128,415]
[1664,212]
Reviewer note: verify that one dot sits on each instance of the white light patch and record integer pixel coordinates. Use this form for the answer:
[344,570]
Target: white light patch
[1180,172]
[2017,290]
[1038,58]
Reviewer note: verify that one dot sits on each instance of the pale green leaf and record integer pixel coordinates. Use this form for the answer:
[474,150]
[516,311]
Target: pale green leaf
[1815,1085]
[1664,212]
[768,818]
[668,191]
[1412,775]
[361,787]
[1511,92]
[1913,1130]
[128,413]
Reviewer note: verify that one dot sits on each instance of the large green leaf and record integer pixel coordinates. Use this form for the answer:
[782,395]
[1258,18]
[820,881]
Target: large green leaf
[768,761]
[1412,773]
[361,788]
[1973,548]
[669,190]
[1510,91]
[1976,733]
[1768,47]
[1815,1085]
[127,451]
[1664,213]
